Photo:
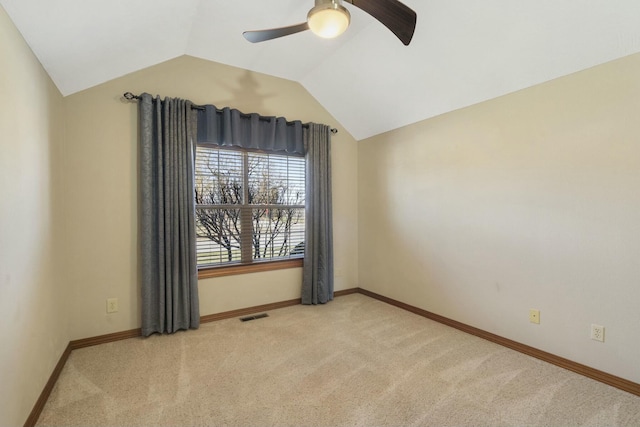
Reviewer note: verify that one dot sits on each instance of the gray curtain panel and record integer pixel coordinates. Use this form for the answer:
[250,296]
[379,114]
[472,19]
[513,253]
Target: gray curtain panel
[317,283]
[229,127]
[167,215]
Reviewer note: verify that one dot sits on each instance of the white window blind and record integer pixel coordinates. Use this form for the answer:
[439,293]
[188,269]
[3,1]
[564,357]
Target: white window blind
[249,206]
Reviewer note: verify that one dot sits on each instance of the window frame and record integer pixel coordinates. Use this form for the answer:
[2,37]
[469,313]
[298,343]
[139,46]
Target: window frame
[253,266]
[208,272]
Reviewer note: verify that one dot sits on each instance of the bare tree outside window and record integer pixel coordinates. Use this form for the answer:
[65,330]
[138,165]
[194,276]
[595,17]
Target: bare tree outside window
[249,206]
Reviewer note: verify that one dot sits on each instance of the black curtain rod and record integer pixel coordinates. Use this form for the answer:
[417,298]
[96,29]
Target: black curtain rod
[131,97]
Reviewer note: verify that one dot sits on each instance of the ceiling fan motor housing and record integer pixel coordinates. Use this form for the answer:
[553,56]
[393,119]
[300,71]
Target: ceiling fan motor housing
[333,3]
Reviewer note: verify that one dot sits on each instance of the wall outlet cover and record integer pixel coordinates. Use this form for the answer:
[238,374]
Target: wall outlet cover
[534,316]
[597,332]
[112,305]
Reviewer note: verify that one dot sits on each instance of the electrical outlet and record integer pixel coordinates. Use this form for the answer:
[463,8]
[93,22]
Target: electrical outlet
[112,305]
[597,333]
[534,316]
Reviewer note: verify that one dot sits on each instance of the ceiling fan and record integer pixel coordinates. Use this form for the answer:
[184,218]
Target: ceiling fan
[329,18]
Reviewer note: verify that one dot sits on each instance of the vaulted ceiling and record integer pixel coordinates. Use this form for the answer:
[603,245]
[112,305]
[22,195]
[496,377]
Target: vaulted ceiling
[463,51]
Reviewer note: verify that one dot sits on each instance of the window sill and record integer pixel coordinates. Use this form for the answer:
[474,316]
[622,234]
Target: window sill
[207,273]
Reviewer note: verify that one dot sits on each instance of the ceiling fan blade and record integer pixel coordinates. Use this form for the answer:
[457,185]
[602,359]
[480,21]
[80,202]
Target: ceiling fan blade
[396,16]
[264,35]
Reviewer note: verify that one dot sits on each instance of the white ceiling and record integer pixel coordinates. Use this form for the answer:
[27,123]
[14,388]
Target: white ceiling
[463,51]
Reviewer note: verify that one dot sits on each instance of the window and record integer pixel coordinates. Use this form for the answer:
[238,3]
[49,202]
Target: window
[249,207]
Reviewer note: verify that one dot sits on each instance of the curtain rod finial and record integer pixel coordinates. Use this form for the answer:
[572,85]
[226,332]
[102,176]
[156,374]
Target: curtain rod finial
[130,96]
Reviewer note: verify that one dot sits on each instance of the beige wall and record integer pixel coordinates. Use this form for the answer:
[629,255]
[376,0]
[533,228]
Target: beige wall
[100,199]
[528,201]
[34,330]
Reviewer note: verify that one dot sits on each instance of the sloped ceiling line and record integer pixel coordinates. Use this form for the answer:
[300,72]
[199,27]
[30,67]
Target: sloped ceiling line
[462,52]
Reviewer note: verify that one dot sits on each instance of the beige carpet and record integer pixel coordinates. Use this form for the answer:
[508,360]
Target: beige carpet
[353,362]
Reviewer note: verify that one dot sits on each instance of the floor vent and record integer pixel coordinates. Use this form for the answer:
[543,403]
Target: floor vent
[255,316]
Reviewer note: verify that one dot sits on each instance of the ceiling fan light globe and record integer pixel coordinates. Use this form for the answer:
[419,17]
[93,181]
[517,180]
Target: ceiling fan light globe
[328,20]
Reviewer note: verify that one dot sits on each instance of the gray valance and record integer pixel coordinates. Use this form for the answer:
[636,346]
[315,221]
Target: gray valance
[229,127]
